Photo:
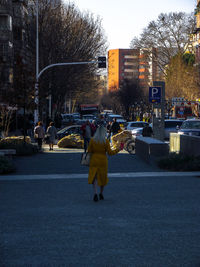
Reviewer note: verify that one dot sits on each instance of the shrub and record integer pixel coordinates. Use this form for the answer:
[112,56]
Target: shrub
[180,162]
[6,166]
[18,144]
[71,141]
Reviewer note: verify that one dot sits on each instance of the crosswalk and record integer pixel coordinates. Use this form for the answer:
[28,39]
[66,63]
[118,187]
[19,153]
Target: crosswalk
[74,176]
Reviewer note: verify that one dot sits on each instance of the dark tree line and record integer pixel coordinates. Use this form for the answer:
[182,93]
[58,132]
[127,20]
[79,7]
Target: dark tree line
[65,35]
[122,100]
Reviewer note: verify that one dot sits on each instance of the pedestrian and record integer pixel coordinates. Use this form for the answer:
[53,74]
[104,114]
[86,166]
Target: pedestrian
[108,127]
[94,127]
[99,147]
[87,132]
[51,133]
[115,127]
[147,131]
[39,134]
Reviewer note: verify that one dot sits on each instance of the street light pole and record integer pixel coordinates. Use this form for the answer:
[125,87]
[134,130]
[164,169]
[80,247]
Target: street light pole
[36,111]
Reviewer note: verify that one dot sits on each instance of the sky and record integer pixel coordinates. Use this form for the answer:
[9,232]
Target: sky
[123,20]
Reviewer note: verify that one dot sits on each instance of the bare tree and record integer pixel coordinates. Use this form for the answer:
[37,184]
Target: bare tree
[5,120]
[67,35]
[129,93]
[121,101]
[170,34]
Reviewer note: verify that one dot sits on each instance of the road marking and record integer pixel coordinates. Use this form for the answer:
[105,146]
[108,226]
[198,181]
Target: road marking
[85,175]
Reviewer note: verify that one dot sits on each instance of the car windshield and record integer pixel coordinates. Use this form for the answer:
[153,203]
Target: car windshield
[116,116]
[172,124]
[63,130]
[191,125]
[138,124]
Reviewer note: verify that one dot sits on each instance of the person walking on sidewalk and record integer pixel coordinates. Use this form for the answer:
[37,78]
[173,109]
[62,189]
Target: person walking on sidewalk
[87,130]
[39,134]
[51,133]
[115,127]
[99,147]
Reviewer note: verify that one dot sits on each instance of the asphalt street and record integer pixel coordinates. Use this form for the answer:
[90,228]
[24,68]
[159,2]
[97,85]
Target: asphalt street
[148,218]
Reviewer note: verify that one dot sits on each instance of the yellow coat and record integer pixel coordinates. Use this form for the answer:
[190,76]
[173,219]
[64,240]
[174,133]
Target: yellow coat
[99,161]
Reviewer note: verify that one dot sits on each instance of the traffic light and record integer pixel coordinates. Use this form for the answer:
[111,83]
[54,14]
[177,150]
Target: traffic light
[102,62]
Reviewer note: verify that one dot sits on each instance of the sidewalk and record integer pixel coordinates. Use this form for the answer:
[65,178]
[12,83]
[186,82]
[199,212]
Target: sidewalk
[66,161]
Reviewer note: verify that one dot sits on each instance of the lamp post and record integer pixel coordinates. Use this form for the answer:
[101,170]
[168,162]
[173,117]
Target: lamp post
[36,111]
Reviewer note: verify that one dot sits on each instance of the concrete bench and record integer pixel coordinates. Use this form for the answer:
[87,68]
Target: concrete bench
[7,152]
[150,149]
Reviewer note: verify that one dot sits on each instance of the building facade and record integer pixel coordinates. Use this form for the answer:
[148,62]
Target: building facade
[15,53]
[194,45]
[6,47]
[131,64]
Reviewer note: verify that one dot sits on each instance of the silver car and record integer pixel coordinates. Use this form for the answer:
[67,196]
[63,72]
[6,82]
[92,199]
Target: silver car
[190,127]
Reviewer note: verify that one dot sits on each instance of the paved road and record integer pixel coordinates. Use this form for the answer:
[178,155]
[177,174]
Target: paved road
[145,220]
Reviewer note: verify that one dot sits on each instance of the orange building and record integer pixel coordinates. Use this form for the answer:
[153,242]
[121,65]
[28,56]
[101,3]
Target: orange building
[131,64]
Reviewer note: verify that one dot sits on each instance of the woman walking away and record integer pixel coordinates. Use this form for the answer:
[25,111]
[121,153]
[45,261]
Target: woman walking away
[99,146]
[39,134]
[51,133]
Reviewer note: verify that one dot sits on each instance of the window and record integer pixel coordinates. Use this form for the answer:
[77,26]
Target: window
[17,33]
[5,22]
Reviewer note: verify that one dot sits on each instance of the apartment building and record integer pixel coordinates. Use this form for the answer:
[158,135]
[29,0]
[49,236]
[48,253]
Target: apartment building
[6,46]
[196,36]
[14,49]
[139,64]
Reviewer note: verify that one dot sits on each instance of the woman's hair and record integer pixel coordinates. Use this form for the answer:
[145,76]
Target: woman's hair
[51,123]
[40,123]
[100,135]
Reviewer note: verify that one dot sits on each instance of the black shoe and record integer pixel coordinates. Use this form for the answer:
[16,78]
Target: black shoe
[95,198]
[101,197]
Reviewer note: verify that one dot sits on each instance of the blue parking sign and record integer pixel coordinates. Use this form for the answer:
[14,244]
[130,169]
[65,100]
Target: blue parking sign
[155,94]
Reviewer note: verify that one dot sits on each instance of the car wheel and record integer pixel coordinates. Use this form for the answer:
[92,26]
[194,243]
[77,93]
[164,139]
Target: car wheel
[130,147]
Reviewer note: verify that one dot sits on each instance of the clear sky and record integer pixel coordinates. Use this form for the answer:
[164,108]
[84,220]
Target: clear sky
[122,20]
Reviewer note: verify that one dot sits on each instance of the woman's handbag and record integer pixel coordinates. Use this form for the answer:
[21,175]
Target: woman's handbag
[47,138]
[85,159]
[35,136]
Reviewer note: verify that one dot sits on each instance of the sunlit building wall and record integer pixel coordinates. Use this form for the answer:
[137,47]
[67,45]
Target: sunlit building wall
[139,64]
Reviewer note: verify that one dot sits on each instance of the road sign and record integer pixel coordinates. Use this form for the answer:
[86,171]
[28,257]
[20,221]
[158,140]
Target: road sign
[155,94]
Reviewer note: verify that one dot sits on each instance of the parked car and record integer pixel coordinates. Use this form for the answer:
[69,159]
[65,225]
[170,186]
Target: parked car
[67,119]
[190,127]
[131,125]
[137,132]
[73,129]
[171,126]
[89,117]
[119,119]
[76,116]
